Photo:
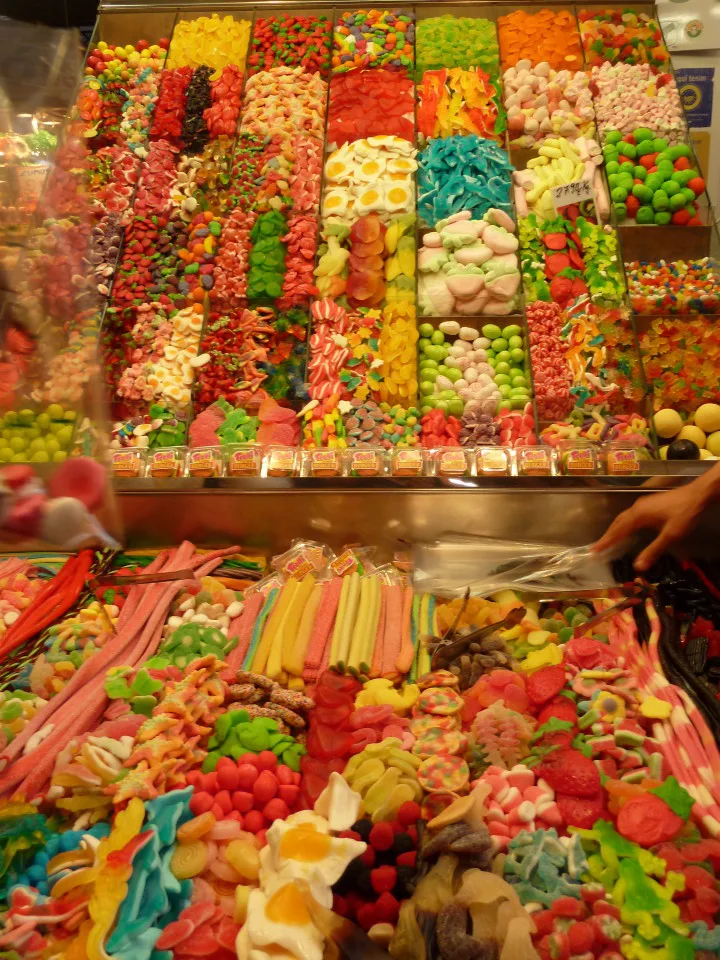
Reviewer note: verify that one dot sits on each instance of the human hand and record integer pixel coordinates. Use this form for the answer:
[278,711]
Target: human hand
[673,513]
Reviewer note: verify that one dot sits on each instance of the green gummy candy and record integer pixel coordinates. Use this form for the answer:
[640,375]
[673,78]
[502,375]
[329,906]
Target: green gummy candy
[613,136]
[642,134]
[645,215]
[662,218]
[619,194]
[211,761]
[660,200]
[143,705]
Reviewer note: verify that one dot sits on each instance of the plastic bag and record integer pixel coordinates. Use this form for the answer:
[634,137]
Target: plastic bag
[448,567]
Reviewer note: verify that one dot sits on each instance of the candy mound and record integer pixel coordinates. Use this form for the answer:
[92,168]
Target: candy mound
[548,35]
[458,101]
[370,102]
[448,41]
[463,173]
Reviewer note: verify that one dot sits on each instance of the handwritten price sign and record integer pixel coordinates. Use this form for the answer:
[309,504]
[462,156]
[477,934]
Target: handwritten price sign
[574,192]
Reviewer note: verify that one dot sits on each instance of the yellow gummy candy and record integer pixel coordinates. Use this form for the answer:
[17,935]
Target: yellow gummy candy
[189,860]
[379,791]
[549,656]
[655,709]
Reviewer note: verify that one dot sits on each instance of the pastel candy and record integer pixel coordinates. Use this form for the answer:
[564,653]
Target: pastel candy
[477,253]
[504,287]
[465,286]
[499,240]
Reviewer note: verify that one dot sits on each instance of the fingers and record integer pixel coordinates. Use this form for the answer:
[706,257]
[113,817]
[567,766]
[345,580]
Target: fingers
[622,526]
[662,542]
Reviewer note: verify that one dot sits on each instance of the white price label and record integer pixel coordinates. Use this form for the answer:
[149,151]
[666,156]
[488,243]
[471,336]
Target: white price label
[574,192]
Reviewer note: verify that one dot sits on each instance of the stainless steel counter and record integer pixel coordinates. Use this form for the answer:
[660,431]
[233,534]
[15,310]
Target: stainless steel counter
[268,513]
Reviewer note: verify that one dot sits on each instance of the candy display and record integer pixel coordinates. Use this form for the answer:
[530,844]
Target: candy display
[541,100]
[462,173]
[276,199]
[364,38]
[679,361]
[662,187]
[547,36]
[506,754]
[673,287]
[626,36]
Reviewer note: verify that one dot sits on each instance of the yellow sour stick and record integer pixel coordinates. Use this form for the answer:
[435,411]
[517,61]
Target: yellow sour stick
[358,635]
[288,628]
[425,625]
[337,629]
[351,612]
[271,627]
[293,658]
[369,648]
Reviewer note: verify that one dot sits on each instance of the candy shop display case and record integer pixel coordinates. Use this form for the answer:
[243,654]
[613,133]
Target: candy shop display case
[628,337]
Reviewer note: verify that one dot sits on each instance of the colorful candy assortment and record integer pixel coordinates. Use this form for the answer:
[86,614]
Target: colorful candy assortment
[364,38]
[626,36]
[541,101]
[650,181]
[673,287]
[507,748]
[679,358]
[242,158]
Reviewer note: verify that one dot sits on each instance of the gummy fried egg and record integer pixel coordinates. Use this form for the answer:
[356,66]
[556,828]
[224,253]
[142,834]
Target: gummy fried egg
[336,202]
[278,920]
[402,165]
[398,198]
[339,166]
[302,847]
[370,169]
[369,200]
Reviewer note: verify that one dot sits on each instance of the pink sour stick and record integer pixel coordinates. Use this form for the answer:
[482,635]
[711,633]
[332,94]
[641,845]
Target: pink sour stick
[392,637]
[319,647]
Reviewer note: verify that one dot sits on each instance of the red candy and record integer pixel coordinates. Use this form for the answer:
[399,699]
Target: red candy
[222,115]
[265,787]
[545,683]
[551,375]
[365,103]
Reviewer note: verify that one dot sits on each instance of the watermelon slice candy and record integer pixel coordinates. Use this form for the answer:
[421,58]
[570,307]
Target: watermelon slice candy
[555,241]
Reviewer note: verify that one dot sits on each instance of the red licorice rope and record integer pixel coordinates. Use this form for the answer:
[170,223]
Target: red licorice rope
[51,603]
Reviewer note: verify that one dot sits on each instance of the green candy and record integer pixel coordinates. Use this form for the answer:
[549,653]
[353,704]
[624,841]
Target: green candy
[619,194]
[613,136]
[677,201]
[660,200]
[643,134]
[639,173]
[645,215]
[642,192]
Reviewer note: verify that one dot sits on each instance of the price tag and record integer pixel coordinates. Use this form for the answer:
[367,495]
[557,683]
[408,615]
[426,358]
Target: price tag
[574,192]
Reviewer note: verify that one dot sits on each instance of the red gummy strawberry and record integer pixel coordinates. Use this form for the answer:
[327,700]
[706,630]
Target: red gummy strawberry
[580,811]
[569,771]
[588,654]
[648,820]
[562,708]
[545,684]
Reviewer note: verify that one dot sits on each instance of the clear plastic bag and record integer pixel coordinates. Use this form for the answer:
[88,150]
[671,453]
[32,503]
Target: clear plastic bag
[454,564]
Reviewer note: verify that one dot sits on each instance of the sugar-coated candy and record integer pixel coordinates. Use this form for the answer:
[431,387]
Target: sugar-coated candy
[463,173]
[447,41]
[210,41]
[364,38]
[626,36]
[369,176]
[627,95]
[284,100]
[673,286]
[291,41]
[549,35]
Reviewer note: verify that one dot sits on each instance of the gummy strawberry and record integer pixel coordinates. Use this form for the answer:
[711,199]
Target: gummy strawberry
[571,772]
[545,684]
[561,708]
[580,811]
[648,820]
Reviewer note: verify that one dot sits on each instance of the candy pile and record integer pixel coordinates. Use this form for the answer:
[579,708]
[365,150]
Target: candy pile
[213,41]
[560,162]
[627,36]
[462,173]
[548,36]
[651,182]
[673,286]
[364,38]
[629,95]
[679,358]
[292,41]
[541,100]
[370,103]
[459,101]
[508,759]
[448,42]
[472,368]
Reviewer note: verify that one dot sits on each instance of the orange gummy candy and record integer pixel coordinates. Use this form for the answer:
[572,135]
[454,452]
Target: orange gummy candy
[550,36]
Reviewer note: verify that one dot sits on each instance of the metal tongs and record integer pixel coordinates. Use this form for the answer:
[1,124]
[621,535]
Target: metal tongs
[636,592]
